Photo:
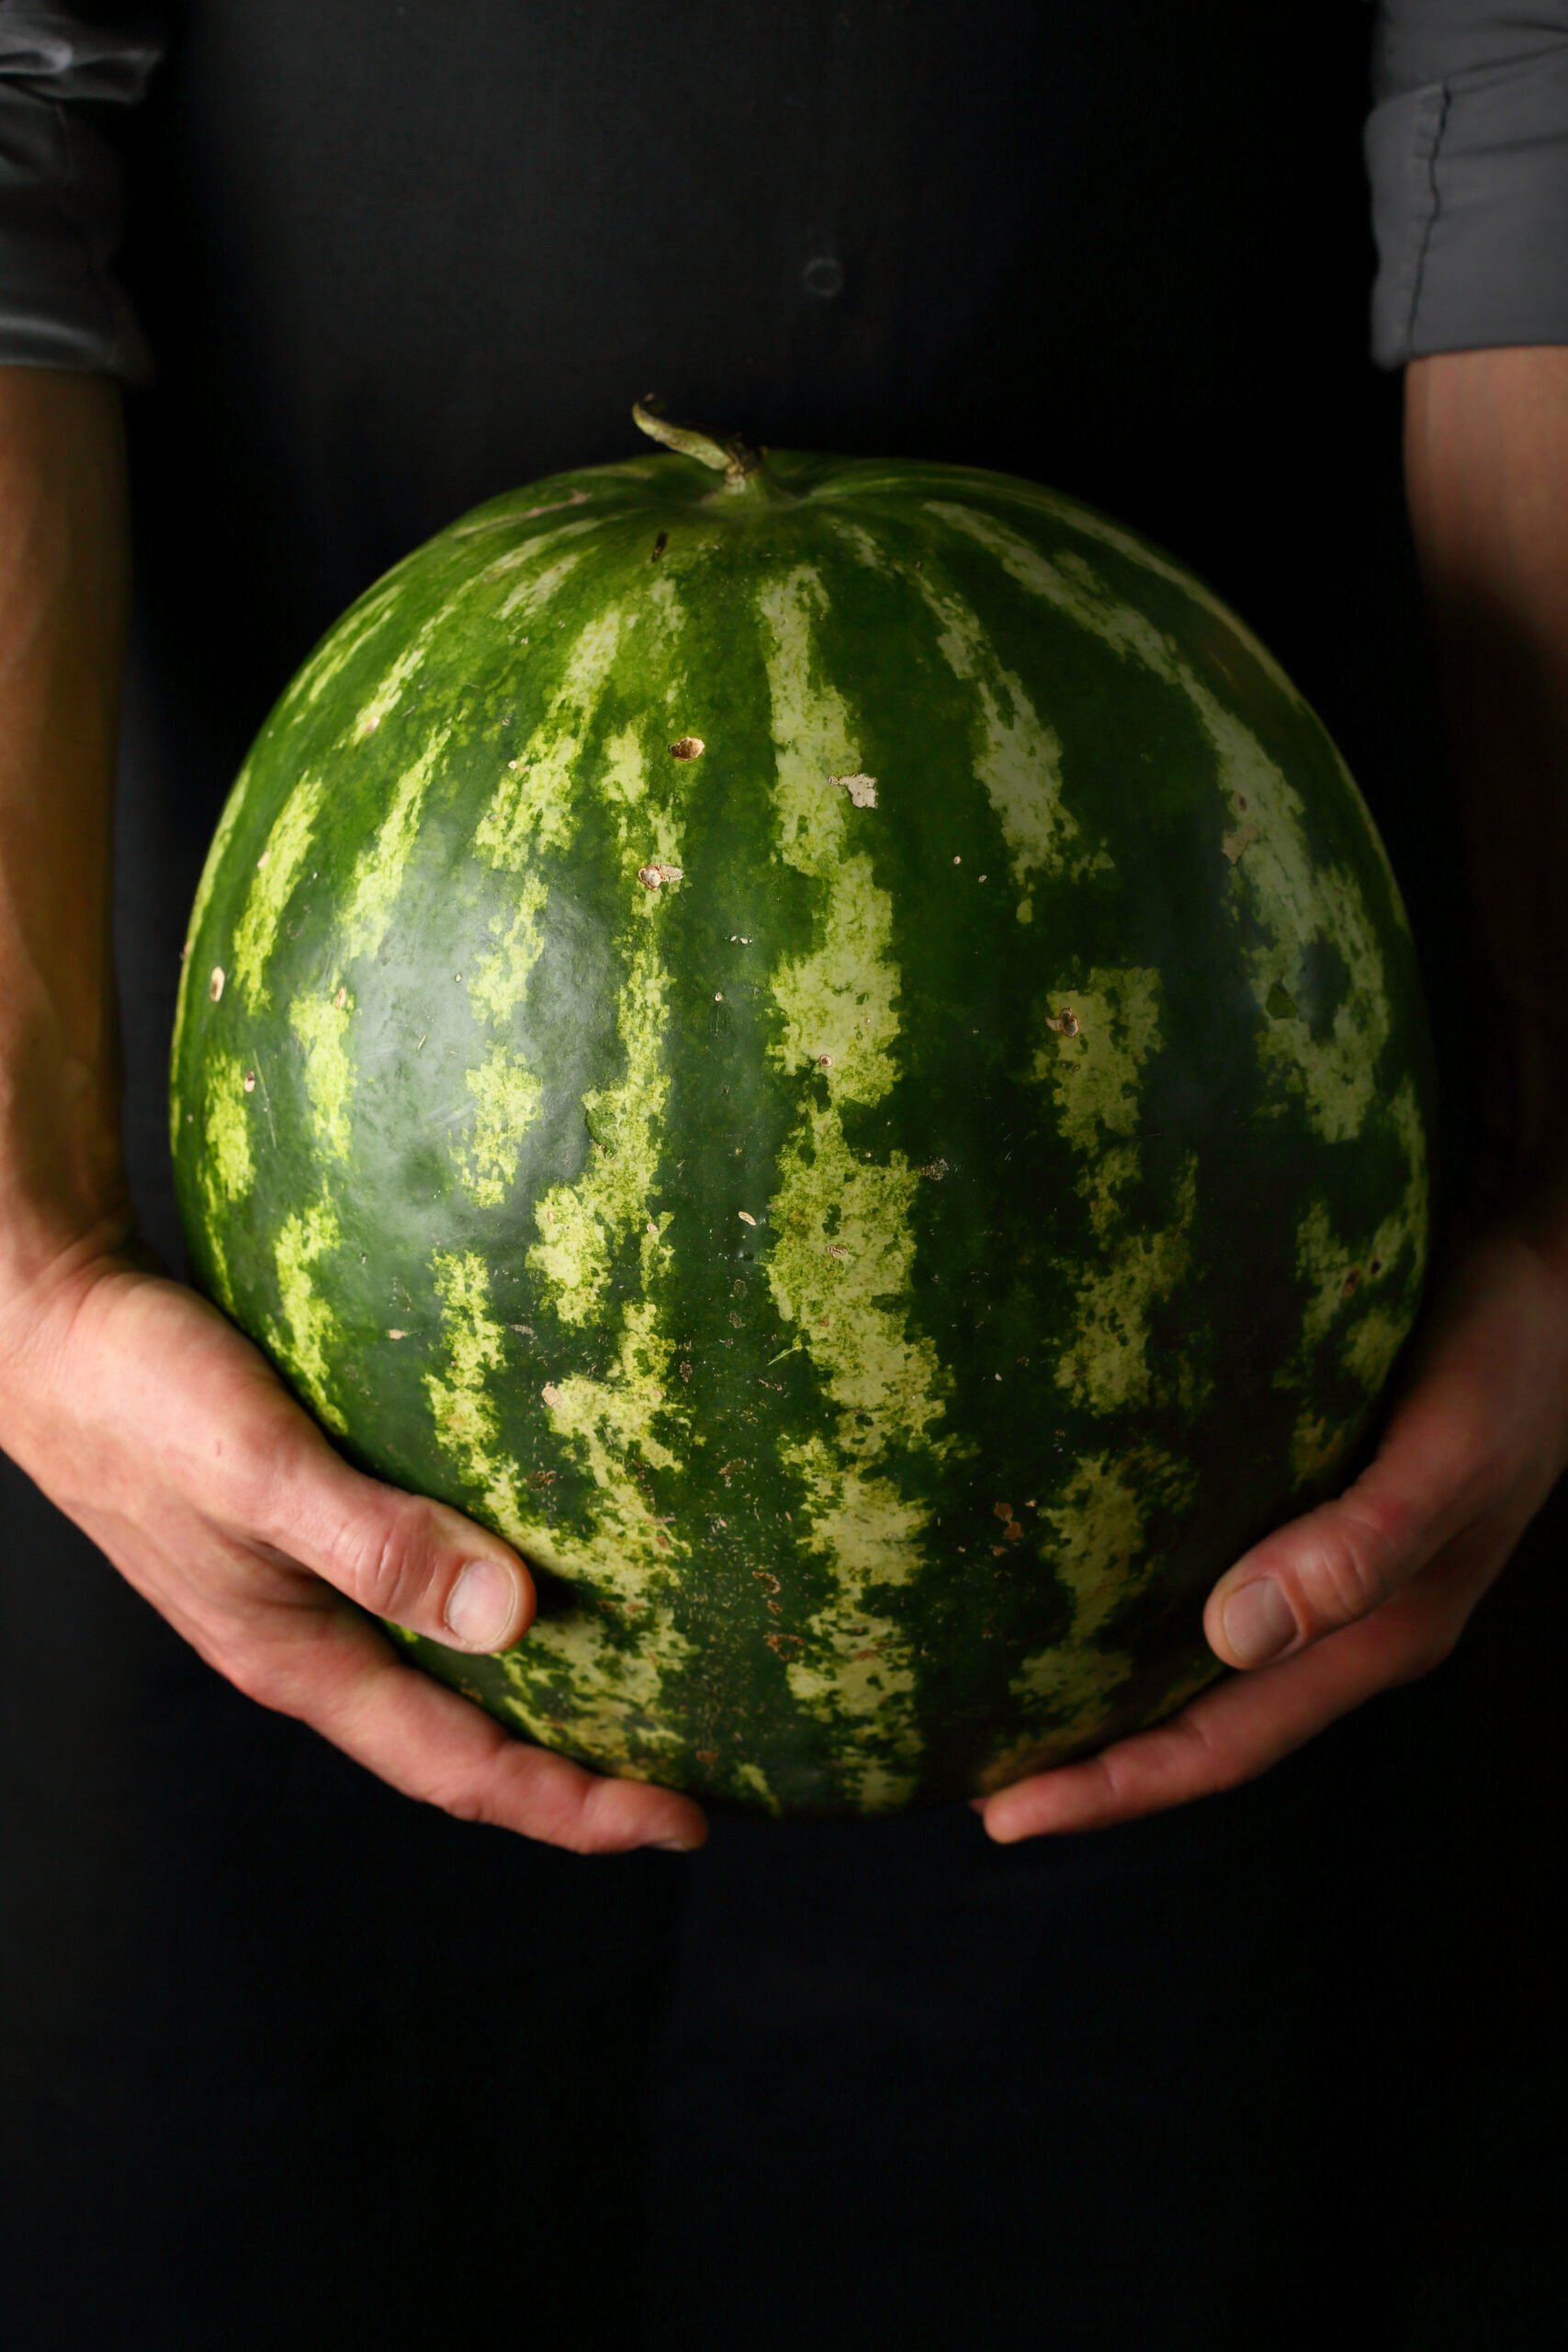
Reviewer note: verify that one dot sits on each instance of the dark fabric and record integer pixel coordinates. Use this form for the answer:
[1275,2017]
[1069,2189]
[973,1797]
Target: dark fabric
[1467,152]
[289,2062]
[62,72]
[1467,148]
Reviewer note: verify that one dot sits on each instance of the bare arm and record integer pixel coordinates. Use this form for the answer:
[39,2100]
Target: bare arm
[132,1403]
[62,598]
[1376,1587]
[1486,473]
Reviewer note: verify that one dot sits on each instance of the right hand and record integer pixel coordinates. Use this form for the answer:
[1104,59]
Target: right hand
[167,1438]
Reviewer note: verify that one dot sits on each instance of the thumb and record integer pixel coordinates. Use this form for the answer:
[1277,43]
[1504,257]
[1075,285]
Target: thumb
[400,1556]
[1331,1567]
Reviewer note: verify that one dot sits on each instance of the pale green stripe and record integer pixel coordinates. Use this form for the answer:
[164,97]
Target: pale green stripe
[1366,1312]
[307,1325]
[536,808]
[462,1394]
[506,1101]
[843,1243]
[381,867]
[272,885]
[606,1685]
[321,1023]
[838,1002]
[580,1225]
[531,808]
[217,859]
[1019,759]
[1092,1060]
[1093,1540]
[226,1170]
[614,1419]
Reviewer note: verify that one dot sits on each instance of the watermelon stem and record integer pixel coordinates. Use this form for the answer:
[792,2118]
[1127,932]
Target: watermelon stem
[740,466]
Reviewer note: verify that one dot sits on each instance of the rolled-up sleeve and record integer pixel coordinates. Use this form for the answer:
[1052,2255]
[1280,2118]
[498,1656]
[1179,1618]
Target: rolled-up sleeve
[63,73]
[1467,148]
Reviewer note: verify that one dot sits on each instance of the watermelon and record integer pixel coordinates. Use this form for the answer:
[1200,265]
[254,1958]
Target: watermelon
[831,1048]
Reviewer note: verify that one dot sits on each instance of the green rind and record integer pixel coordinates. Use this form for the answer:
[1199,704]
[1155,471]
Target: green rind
[876,1374]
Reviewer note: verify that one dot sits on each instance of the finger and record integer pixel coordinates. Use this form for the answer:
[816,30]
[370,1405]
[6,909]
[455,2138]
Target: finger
[400,1556]
[1436,1469]
[1246,1723]
[339,1675]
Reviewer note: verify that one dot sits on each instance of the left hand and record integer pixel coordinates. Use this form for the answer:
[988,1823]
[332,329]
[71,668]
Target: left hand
[1375,1587]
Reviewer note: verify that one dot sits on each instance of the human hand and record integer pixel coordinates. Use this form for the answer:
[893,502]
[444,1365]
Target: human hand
[166,1437]
[1374,1587]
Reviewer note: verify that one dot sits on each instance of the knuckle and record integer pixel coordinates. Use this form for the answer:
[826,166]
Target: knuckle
[585,1835]
[1207,1763]
[385,1557]
[261,1680]
[467,1804]
[1350,1570]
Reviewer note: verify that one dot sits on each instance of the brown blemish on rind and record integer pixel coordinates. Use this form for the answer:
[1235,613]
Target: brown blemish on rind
[215,985]
[653,877]
[771,1588]
[687,747]
[1064,1023]
[660,544]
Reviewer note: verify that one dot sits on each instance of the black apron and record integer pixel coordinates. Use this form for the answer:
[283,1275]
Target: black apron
[291,2061]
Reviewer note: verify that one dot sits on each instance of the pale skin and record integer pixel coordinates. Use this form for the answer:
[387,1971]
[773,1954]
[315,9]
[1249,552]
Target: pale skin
[167,1438]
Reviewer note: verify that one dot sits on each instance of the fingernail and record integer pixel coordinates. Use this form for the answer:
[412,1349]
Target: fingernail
[1257,1621]
[676,1845]
[483,1604]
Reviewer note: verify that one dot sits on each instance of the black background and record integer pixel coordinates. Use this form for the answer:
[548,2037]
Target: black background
[289,2061]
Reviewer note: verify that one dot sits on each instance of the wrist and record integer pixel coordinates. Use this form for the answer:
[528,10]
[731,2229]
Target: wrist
[65,1198]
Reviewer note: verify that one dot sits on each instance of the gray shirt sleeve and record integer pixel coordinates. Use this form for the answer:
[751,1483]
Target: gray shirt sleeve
[1467,147]
[62,71]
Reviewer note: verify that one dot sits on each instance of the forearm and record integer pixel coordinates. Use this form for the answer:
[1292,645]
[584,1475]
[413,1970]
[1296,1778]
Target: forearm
[63,566]
[1486,463]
